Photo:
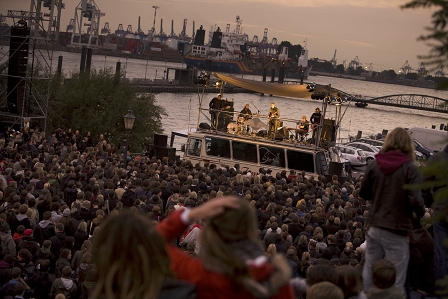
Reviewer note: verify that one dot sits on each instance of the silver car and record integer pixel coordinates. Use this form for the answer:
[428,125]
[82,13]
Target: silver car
[369,150]
[355,156]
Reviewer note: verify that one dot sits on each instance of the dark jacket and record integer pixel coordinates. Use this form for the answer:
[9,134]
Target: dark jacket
[57,242]
[432,174]
[61,263]
[41,283]
[27,242]
[44,231]
[384,186]
[80,237]
[128,198]
[19,220]
[63,286]
[5,272]
[332,251]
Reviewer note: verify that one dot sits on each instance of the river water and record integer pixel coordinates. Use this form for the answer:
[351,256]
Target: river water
[182,108]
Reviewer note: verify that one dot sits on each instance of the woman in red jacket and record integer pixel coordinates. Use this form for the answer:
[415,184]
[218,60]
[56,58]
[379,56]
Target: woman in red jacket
[233,263]
[134,262]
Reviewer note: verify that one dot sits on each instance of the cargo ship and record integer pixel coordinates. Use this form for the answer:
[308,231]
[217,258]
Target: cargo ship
[231,52]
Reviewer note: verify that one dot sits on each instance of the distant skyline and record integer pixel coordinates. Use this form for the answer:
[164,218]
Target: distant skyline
[378,31]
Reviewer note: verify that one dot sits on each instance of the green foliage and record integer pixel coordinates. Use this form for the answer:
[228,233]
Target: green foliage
[340,69]
[322,66]
[294,51]
[411,76]
[437,38]
[97,102]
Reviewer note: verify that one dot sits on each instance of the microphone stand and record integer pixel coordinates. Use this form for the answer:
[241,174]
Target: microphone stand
[255,107]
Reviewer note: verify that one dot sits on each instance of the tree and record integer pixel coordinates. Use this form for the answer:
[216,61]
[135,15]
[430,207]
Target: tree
[294,51]
[411,76]
[437,38]
[340,69]
[97,102]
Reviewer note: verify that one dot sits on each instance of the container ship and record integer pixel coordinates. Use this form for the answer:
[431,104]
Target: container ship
[232,52]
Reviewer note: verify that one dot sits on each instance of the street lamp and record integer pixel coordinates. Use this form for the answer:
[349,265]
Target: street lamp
[128,123]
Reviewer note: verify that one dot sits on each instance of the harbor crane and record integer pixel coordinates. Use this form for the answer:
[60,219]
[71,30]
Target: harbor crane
[129,30]
[265,36]
[172,34]
[422,71]
[406,68]
[87,14]
[161,33]
[333,60]
[354,64]
[183,33]
[105,29]
[440,73]
[238,29]
[153,29]
[120,30]
[70,25]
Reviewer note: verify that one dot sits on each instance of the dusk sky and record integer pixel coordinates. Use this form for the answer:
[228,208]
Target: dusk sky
[377,31]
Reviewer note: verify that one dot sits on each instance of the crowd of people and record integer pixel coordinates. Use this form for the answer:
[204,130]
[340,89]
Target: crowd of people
[75,224]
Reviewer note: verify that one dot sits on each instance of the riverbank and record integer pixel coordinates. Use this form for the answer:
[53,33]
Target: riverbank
[404,82]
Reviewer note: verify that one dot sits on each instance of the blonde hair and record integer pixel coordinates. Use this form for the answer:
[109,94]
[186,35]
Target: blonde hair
[219,235]
[271,251]
[135,235]
[400,140]
[324,290]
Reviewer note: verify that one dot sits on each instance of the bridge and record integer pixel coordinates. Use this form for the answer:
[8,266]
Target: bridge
[410,101]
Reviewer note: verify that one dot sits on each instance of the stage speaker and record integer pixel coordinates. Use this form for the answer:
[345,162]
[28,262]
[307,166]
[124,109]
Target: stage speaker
[328,131]
[204,126]
[17,66]
[262,133]
[336,168]
[169,152]
[160,140]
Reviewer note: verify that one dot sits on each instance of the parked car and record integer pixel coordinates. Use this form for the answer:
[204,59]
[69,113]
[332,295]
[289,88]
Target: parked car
[370,141]
[354,155]
[419,147]
[369,150]
[418,155]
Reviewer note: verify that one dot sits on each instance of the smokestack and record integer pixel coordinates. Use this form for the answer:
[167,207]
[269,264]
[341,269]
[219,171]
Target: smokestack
[192,36]
[139,28]
[172,27]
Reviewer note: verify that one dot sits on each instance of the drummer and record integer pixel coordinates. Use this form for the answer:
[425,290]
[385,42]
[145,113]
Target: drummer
[302,128]
[245,114]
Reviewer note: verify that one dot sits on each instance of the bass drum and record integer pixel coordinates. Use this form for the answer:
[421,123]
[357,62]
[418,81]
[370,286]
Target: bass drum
[233,128]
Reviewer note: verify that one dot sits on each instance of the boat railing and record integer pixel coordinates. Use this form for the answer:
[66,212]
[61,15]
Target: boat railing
[235,122]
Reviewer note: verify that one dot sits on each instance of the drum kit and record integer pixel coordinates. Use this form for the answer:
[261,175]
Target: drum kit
[246,127]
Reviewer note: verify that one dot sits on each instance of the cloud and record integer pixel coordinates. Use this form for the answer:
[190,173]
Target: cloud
[302,3]
[358,43]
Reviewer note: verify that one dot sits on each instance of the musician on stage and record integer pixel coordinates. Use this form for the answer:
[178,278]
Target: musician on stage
[215,107]
[246,113]
[315,119]
[303,127]
[273,118]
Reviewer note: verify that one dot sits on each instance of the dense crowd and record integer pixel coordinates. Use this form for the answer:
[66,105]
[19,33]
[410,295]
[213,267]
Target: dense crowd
[56,192]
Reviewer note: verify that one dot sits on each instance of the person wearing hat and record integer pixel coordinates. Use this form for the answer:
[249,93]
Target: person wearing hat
[28,242]
[215,106]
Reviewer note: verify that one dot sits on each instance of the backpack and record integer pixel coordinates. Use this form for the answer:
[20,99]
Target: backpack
[27,270]
[4,244]
[60,289]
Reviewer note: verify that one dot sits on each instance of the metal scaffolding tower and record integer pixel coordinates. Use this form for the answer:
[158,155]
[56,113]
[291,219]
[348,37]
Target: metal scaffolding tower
[27,68]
